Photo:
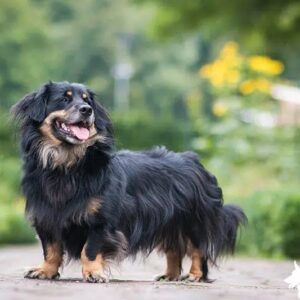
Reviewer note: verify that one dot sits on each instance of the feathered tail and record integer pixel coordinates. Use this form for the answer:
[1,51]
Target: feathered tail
[232,217]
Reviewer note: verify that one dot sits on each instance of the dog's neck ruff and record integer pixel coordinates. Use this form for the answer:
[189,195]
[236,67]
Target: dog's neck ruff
[60,156]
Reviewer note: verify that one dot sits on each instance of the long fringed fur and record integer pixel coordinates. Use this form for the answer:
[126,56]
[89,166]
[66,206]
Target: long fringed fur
[171,199]
[146,200]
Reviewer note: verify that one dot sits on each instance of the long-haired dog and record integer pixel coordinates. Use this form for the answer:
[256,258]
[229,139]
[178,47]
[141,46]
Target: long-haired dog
[92,203]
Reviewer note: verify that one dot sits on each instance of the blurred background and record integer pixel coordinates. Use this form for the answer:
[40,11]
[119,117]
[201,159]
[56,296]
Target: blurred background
[219,79]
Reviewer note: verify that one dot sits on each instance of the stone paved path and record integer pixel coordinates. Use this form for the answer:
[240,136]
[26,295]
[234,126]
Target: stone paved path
[235,279]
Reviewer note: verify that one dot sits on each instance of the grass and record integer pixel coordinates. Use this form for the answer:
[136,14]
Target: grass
[14,229]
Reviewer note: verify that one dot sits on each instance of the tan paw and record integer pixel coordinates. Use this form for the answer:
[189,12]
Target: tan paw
[192,277]
[95,277]
[167,277]
[41,273]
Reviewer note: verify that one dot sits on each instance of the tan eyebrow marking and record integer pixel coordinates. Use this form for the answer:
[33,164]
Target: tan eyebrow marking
[84,96]
[69,93]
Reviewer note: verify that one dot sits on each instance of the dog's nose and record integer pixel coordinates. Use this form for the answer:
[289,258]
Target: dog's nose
[85,110]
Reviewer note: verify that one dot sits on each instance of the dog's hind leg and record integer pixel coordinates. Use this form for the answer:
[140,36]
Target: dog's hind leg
[173,270]
[199,269]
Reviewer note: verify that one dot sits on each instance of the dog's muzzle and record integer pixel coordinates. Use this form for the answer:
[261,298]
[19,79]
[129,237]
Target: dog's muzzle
[75,124]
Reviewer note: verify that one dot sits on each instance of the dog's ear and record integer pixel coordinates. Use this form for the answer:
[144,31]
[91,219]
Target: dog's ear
[33,105]
[102,119]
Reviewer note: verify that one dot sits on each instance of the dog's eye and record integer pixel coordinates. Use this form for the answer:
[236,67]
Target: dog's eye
[66,99]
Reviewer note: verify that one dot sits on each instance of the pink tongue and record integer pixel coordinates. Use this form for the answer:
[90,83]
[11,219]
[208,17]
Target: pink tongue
[80,132]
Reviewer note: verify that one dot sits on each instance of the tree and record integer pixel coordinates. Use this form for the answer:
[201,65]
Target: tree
[88,33]
[273,21]
[264,27]
[24,46]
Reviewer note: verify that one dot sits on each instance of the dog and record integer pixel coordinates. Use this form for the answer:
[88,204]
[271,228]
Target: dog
[87,201]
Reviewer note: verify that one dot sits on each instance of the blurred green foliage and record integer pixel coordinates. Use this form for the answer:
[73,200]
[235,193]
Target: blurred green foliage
[81,42]
[13,228]
[23,43]
[140,130]
[274,224]
[290,225]
[268,27]
[270,22]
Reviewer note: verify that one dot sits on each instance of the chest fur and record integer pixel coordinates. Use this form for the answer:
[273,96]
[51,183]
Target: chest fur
[59,199]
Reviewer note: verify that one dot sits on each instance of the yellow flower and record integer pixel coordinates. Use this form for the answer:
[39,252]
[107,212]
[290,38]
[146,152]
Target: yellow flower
[233,76]
[206,71]
[247,87]
[230,49]
[263,85]
[219,109]
[224,71]
[266,65]
[255,85]
[227,69]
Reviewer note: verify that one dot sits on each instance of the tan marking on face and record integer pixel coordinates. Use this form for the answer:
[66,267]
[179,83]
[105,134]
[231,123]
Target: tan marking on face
[59,114]
[92,267]
[69,93]
[49,268]
[195,270]
[46,129]
[54,152]
[173,265]
[84,96]
[93,131]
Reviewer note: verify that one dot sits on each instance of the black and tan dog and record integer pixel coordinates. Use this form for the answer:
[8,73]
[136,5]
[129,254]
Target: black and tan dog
[91,203]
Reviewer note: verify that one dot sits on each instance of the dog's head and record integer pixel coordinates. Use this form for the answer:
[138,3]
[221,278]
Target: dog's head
[66,116]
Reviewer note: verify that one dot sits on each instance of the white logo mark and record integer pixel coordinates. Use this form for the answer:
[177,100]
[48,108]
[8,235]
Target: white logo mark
[294,279]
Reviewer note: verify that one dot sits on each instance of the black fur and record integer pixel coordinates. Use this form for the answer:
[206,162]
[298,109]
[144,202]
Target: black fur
[149,199]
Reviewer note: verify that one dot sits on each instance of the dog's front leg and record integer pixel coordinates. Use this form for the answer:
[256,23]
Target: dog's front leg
[53,257]
[92,258]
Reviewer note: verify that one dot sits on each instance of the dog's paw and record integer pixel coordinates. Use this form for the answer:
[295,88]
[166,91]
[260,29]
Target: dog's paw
[41,273]
[167,277]
[192,277]
[195,278]
[95,277]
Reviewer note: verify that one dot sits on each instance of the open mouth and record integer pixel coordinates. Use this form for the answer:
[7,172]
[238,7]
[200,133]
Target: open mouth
[79,130]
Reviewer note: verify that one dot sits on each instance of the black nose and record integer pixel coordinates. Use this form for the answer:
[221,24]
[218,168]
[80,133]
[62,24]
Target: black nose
[85,110]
